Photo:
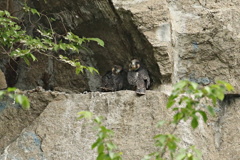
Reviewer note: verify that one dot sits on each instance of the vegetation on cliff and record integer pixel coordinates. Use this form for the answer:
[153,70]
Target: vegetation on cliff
[188,101]
[16,43]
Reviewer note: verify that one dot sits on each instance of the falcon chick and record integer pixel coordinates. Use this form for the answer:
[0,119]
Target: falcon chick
[138,76]
[113,80]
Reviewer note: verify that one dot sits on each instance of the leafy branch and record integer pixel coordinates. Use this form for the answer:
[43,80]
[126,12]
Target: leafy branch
[15,42]
[187,102]
[105,147]
[18,98]
[189,95]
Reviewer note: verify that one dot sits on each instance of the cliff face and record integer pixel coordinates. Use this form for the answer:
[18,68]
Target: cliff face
[50,129]
[56,134]
[195,40]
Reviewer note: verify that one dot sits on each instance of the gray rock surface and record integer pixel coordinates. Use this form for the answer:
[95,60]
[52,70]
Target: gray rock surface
[13,119]
[196,40]
[56,134]
[3,83]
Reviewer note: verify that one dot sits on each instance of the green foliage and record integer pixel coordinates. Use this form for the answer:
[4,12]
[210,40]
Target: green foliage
[32,10]
[168,149]
[77,65]
[16,43]
[18,98]
[105,147]
[188,96]
[188,154]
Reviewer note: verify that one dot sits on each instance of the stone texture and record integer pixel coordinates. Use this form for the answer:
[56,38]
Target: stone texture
[152,18]
[205,37]
[3,83]
[13,119]
[227,130]
[193,40]
[56,134]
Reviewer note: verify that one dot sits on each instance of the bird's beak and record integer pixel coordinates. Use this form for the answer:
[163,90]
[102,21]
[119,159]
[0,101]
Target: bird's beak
[118,71]
[138,65]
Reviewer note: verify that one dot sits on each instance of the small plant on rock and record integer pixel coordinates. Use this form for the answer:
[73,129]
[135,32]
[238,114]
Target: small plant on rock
[106,149]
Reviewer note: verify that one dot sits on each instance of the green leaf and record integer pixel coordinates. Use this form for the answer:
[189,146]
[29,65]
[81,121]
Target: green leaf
[2,93]
[220,95]
[172,146]
[101,156]
[10,89]
[22,100]
[99,41]
[98,120]
[62,46]
[111,146]
[194,85]
[111,155]
[91,70]
[105,130]
[171,100]
[34,11]
[160,123]
[170,103]
[100,148]
[185,99]
[229,87]
[194,122]
[181,155]
[204,115]
[85,114]
[26,60]
[161,138]
[52,19]
[189,156]
[211,110]
[180,85]
[177,117]
[208,89]
[33,57]
[95,144]
[25,103]
[26,8]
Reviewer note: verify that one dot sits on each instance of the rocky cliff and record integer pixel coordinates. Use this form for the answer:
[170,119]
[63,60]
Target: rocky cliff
[50,130]
[195,40]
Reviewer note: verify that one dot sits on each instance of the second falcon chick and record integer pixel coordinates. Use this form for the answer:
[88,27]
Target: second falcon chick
[138,76]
